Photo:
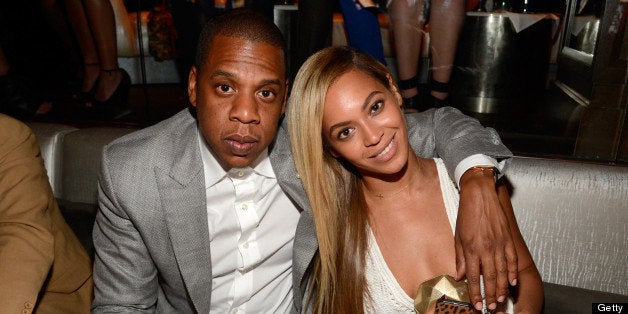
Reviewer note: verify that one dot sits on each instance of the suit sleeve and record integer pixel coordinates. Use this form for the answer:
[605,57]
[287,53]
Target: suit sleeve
[125,279]
[452,136]
[26,240]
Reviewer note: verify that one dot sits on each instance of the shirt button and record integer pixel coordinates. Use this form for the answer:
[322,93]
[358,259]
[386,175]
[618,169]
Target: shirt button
[240,173]
[245,207]
[245,245]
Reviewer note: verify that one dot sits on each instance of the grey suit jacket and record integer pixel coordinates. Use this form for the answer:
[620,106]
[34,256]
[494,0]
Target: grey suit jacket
[150,235]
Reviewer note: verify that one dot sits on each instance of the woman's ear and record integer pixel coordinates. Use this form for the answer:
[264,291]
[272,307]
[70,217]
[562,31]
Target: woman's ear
[330,150]
[333,153]
[394,90]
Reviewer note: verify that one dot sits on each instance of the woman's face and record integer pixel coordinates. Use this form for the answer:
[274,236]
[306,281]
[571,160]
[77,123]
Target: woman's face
[363,124]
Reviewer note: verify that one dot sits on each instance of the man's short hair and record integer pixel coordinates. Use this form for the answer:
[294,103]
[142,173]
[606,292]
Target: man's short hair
[239,23]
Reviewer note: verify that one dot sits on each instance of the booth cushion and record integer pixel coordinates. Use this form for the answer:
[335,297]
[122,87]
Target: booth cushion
[573,216]
[82,152]
[50,136]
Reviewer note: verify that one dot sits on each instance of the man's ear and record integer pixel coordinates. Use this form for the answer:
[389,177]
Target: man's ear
[192,86]
[393,89]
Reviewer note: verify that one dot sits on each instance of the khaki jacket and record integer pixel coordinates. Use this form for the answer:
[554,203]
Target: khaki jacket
[43,266]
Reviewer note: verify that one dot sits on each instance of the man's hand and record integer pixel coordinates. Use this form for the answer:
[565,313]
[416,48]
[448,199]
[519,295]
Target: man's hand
[483,241]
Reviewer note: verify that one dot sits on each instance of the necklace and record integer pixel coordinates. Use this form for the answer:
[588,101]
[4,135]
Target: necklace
[401,189]
[380,195]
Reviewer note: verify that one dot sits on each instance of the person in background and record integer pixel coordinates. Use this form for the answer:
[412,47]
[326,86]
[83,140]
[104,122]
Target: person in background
[16,98]
[27,47]
[408,18]
[384,216]
[43,266]
[204,211]
[190,15]
[105,88]
[362,27]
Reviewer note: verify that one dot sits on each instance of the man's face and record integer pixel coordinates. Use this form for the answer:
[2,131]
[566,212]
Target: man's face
[239,94]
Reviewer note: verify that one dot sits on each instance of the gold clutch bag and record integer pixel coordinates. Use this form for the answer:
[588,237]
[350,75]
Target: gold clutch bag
[444,294]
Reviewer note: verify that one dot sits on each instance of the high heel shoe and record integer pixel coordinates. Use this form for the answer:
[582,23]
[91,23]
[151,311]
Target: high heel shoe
[117,105]
[440,87]
[17,97]
[85,98]
[410,104]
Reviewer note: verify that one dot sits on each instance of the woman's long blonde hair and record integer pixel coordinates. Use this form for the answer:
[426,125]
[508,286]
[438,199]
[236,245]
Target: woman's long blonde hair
[337,281]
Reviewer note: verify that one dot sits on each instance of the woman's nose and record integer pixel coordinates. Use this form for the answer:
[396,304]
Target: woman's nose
[372,134]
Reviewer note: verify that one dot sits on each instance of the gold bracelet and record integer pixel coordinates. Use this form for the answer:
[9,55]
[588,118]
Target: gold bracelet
[484,169]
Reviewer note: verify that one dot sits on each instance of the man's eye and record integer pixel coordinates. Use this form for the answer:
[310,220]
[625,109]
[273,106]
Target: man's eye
[267,94]
[224,88]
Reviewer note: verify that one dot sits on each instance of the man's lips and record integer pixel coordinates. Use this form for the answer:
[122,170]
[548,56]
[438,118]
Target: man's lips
[240,145]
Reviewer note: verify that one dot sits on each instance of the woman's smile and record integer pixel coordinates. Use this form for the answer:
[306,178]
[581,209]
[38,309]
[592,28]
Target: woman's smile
[388,152]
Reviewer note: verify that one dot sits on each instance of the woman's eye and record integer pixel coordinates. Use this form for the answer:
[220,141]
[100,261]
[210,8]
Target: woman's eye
[344,133]
[377,106]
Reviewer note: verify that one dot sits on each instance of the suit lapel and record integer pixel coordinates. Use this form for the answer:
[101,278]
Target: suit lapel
[182,192]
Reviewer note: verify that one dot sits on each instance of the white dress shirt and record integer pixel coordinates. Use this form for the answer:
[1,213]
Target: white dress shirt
[477,160]
[252,224]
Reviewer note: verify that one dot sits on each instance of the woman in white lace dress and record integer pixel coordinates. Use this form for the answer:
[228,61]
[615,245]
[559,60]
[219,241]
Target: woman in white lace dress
[384,217]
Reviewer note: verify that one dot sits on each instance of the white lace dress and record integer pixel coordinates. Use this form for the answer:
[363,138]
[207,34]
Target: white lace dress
[386,295]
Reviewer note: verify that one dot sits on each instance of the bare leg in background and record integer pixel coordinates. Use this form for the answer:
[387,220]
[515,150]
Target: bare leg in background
[93,23]
[446,20]
[407,24]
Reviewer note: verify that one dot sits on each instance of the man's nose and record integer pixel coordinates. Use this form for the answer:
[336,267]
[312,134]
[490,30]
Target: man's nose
[245,109]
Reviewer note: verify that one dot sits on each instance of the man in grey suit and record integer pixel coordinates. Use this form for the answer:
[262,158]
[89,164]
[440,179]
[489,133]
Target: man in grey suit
[204,212]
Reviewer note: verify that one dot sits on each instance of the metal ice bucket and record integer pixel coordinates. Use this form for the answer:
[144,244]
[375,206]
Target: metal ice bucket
[497,67]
